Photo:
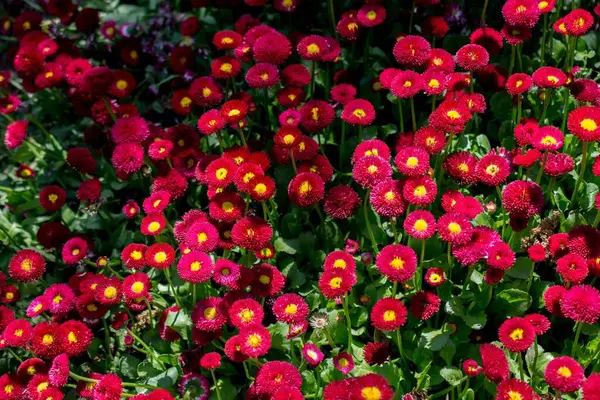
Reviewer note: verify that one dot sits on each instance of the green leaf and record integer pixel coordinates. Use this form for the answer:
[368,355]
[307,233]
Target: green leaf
[514,301]
[521,269]
[166,379]
[502,106]
[433,339]
[127,366]
[475,320]
[179,321]
[484,143]
[452,375]
[289,246]
[542,360]
[588,201]
[448,352]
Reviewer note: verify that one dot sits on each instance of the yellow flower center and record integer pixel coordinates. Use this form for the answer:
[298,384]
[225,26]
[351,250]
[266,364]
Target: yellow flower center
[221,173]
[390,196]
[154,226]
[343,363]
[53,197]
[517,334]
[589,125]
[26,265]
[313,48]
[227,207]
[420,191]
[72,337]
[254,340]
[335,283]
[370,393]
[372,169]
[264,279]
[492,169]
[454,228]
[359,113]
[210,313]
[291,309]
[185,102]
[195,266]
[512,395]
[206,92]
[434,84]
[261,188]
[137,287]
[453,114]
[18,333]
[122,84]
[552,78]
[397,263]
[202,237]
[339,263]
[412,162]
[305,187]
[542,5]
[48,339]
[565,372]
[246,315]
[136,255]
[315,113]
[435,278]
[226,67]
[57,299]
[110,292]
[421,225]
[389,315]
[371,15]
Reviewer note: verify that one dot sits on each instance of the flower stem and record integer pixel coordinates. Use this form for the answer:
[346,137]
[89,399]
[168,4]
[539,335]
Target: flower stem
[581,173]
[412,114]
[544,38]
[168,276]
[577,333]
[348,322]
[419,279]
[399,342]
[242,138]
[542,167]
[401,115]
[513,52]
[530,279]
[368,224]
[535,356]
[293,162]
[212,373]
[521,372]
[483,11]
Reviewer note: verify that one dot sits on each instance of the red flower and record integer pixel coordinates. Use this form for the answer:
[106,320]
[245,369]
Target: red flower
[397,262]
[251,233]
[406,84]
[572,268]
[420,224]
[317,115]
[580,303]
[552,299]
[273,48]
[495,365]
[472,57]
[336,283]
[205,92]
[313,47]
[209,314]
[341,202]
[564,374]
[256,341]
[549,77]
[245,313]
[108,388]
[370,15]
[424,305]
[386,198]
[435,26]
[412,51]
[370,386]
[521,12]
[46,340]
[547,138]
[488,38]
[501,256]
[195,267]
[290,308]
[441,59]
[17,333]
[516,334]
[262,75]
[306,189]
[584,122]
[210,361]
[591,387]
[16,132]
[295,75]
[514,388]
[471,368]
[578,22]
[312,354]
[27,266]
[266,280]
[358,112]
[388,314]
[522,199]
[540,323]
[52,198]
[74,250]
[344,363]
[518,83]
[434,277]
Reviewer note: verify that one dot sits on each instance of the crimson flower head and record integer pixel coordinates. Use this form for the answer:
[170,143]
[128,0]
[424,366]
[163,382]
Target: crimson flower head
[494,363]
[252,233]
[371,170]
[273,48]
[564,374]
[341,202]
[518,83]
[27,266]
[472,57]
[521,12]
[312,354]
[549,77]
[290,308]
[584,122]
[16,132]
[358,112]
[262,75]
[578,22]
[388,314]
[424,305]
[420,224]
[580,303]
[256,341]
[386,198]
[397,262]
[52,198]
[210,360]
[516,334]
[406,84]
[420,190]
[492,169]
[313,47]
[522,199]
[434,277]
[370,15]
[471,368]
[488,38]
[306,189]
[412,51]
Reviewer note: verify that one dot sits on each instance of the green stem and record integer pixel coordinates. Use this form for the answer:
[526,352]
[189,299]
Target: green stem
[168,276]
[342,141]
[399,343]
[332,17]
[348,322]
[212,373]
[576,340]
[597,219]
[544,38]
[313,68]
[412,15]
[483,11]
[412,114]
[513,52]
[521,372]
[401,115]
[542,167]
[530,279]
[293,162]
[503,223]
[535,356]
[581,173]
[520,62]
[329,337]
[109,109]
[419,279]
[242,138]
[151,315]
[467,279]
[15,355]
[546,104]
[368,224]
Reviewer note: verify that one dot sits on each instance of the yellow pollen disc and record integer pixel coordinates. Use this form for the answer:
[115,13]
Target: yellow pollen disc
[371,15]
[390,196]
[264,76]
[518,84]
[136,255]
[335,283]
[492,169]
[137,287]
[313,48]
[542,5]
[343,363]
[453,114]
[72,337]
[352,26]
[247,315]
[42,386]
[264,279]
[154,226]
[435,278]
[288,139]
[292,97]
[389,315]
[6,25]
[254,340]
[434,84]
[565,372]
[185,102]
[121,84]
[397,263]
[548,140]
[266,252]
[412,162]
[18,333]
[359,113]
[512,395]
[10,295]
[210,313]
[579,22]
[249,232]
[133,54]
[226,67]
[589,124]
[227,40]
[26,25]
[315,113]
[26,265]
[221,173]
[57,299]
[49,74]
[420,191]
[407,84]
[291,309]
[31,370]
[339,263]
[463,167]
[552,78]
[437,61]
[372,152]
[225,272]
[312,354]
[517,334]
[430,142]
[202,237]
[521,9]
[48,339]
[92,307]
[227,207]
[206,92]
[421,225]
[38,307]
[261,188]
[370,393]
[454,228]
[372,169]
[53,197]
[305,188]
[8,389]
[110,292]
[195,266]
[110,31]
